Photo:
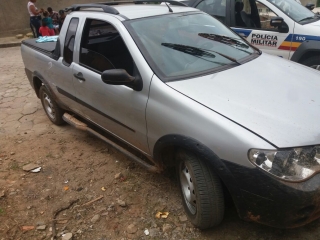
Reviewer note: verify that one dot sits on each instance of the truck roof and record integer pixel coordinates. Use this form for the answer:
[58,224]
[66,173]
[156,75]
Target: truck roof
[134,11]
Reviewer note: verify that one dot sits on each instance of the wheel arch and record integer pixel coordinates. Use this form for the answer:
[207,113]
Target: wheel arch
[165,149]
[166,146]
[305,50]
[38,80]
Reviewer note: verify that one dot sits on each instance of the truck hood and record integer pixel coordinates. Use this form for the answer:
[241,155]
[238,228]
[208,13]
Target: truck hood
[275,98]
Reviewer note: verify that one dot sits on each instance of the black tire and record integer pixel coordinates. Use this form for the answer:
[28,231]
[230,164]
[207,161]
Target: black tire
[313,62]
[53,111]
[204,204]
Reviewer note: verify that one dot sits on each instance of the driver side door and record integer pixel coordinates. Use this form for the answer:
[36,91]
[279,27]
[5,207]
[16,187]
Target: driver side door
[118,109]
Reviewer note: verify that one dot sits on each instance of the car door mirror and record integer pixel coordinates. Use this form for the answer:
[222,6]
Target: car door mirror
[121,77]
[310,6]
[279,23]
[276,21]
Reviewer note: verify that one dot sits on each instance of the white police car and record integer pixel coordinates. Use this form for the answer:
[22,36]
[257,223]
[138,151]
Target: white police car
[279,27]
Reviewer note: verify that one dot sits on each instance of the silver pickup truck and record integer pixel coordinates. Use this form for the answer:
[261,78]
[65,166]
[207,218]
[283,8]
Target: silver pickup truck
[174,85]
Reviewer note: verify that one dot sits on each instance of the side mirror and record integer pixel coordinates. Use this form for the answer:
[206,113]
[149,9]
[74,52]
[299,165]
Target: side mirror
[310,6]
[276,21]
[280,24]
[121,77]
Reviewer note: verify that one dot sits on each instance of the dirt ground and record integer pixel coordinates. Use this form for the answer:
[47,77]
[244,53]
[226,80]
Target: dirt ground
[78,182]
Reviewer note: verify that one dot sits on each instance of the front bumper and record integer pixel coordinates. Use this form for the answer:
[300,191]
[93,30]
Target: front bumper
[270,201]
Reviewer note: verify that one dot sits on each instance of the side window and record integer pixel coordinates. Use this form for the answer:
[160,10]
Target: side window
[69,41]
[216,8]
[265,15]
[102,48]
[253,14]
[243,16]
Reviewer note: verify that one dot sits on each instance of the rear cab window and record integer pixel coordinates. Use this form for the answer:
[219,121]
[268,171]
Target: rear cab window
[69,41]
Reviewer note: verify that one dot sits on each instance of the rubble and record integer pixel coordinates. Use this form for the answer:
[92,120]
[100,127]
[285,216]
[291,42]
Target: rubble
[30,167]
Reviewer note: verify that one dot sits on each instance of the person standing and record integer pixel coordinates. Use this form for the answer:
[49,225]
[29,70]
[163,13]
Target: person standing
[61,18]
[55,19]
[35,18]
[48,22]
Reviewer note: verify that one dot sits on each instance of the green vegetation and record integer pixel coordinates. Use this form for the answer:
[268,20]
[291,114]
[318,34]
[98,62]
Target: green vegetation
[49,155]
[14,166]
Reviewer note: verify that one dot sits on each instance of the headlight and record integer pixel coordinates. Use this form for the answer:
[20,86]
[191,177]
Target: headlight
[294,164]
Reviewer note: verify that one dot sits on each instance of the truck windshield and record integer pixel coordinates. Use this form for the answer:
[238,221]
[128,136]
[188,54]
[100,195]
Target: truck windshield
[294,10]
[181,45]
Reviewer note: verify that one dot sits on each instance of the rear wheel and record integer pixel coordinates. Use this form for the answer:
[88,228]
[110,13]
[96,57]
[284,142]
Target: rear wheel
[313,62]
[53,111]
[201,190]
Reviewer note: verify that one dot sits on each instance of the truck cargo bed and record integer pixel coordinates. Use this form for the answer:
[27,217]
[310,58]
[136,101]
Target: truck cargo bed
[51,49]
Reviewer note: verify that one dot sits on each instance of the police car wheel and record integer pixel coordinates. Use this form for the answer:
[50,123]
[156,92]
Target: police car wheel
[313,62]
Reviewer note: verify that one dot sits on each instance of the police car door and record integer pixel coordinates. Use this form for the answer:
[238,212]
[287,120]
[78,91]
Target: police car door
[252,20]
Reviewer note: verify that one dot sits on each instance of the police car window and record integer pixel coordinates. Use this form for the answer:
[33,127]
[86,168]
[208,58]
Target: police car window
[254,15]
[265,15]
[216,8]
[243,16]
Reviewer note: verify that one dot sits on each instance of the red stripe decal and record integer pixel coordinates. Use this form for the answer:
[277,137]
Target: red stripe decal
[285,48]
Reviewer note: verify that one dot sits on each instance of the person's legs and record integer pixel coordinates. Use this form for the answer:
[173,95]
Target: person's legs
[33,30]
[35,21]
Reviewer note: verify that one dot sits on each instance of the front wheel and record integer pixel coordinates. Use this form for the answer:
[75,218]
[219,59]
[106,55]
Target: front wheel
[53,111]
[201,190]
[313,62]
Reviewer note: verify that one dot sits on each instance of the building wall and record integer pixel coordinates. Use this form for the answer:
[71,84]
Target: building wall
[305,2]
[14,16]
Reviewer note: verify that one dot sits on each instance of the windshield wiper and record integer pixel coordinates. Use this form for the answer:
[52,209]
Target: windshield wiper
[198,52]
[307,18]
[226,40]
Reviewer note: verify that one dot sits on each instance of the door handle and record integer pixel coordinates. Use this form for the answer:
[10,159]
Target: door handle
[79,76]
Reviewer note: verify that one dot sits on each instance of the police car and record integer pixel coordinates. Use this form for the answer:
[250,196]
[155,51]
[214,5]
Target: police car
[280,27]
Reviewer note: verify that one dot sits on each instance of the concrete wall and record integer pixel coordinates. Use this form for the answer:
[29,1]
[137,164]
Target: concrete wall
[305,2]
[14,16]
